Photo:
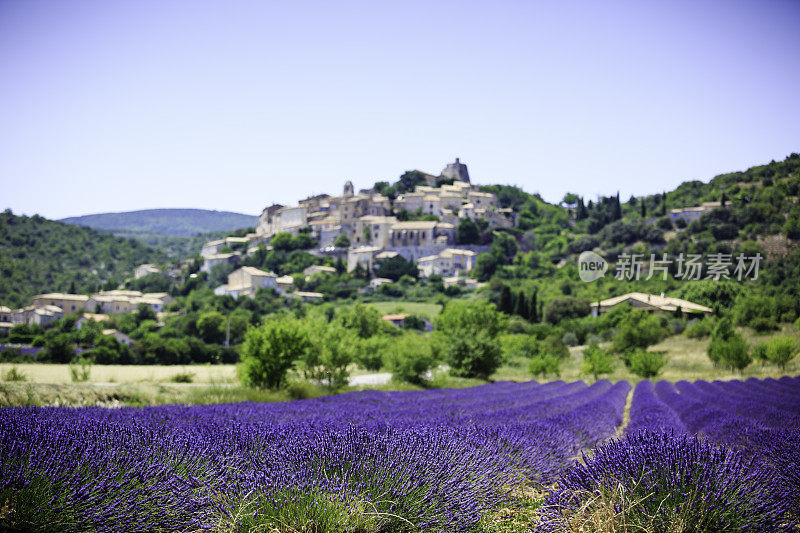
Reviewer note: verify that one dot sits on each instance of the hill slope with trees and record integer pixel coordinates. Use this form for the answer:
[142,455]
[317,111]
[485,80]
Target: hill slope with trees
[39,255]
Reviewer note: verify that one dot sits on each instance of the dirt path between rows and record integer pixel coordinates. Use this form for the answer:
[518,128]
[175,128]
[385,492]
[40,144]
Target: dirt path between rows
[626,415]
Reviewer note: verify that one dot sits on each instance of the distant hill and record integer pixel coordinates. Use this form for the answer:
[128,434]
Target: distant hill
[171,222]
[39,255]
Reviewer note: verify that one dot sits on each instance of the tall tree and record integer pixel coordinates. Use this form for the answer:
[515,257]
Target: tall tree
[533,314]
[505,304]
[522,305]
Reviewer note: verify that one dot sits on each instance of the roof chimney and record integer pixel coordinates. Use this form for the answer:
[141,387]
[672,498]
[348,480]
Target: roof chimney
[457,161]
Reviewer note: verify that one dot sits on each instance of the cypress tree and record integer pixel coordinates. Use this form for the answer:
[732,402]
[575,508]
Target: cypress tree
[643,208]
[617,208]
[521,307]
[533,314]
[506,305]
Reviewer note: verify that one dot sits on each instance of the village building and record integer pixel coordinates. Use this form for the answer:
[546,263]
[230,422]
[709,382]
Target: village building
[318,269]
[362,257]
[307,296]
[421,233]
[690,214]
[448,262]
[220,259]
[121,338]
[69,303]
[145,270]
[246,281]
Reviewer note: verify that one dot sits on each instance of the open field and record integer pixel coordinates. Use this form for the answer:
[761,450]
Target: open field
[687,360]
[54,373]
[255,467]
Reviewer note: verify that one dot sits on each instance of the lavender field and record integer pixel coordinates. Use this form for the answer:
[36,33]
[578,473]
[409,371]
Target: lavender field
[721,456]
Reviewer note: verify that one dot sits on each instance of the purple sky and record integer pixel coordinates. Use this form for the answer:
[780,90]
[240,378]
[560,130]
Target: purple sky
[114,105]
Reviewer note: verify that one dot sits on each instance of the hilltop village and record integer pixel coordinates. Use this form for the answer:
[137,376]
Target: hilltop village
[368,227]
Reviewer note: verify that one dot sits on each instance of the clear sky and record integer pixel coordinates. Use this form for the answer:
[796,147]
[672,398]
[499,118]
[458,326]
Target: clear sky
[115,105]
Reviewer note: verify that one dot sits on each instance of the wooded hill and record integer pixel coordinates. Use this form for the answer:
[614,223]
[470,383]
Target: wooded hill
[39,255]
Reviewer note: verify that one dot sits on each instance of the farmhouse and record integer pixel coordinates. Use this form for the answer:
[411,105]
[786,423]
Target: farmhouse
[652,303]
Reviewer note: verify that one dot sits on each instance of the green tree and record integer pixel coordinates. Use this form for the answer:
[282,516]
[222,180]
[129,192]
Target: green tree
[365,320]
[505,303]
[59,347]
[638,329]
[271,350]
[331,351]
[282,241]
[211,327]
[467,335]
[341,241]
[597,361]
[396,267]
[144,312]
[533,312]
[468,232]
[522,305]
[503,247]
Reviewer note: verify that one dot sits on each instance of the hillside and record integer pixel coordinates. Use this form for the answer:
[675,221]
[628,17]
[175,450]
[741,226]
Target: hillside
[39,255]
[172,222]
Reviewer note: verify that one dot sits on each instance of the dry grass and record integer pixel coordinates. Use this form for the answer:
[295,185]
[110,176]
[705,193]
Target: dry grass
[53,373]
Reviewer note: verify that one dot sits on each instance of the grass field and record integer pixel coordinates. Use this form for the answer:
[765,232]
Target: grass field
[426,309]
[53,373]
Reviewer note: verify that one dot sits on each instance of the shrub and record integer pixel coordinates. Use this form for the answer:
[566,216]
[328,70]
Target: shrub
[727,347]
[410,358]
[553,345]
[15,355]
[781,350]
[12,374]
[697,329]
[570,339]
[646,364]
[558,309]
[763,324]
[597,361]
[542,365]
[677,326]
[271,350]
[80,369]
[183,377]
